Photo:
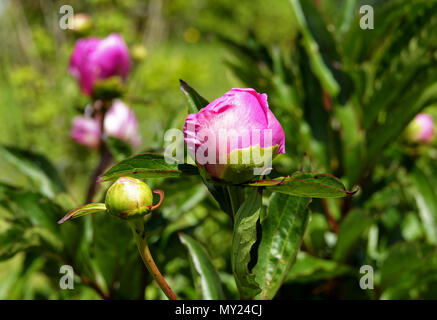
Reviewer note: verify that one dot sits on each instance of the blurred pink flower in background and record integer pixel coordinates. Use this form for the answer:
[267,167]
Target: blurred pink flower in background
[421,129]
[120,122]
[96,59]
[86,131]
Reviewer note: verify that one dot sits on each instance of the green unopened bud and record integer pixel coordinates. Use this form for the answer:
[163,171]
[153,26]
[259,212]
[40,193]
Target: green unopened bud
[129,198]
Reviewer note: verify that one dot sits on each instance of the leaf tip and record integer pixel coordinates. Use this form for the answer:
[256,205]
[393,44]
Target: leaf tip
[182,83]
[350,193]
[65,218]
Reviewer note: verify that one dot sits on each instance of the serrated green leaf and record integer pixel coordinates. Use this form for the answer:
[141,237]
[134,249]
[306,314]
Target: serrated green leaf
[195,101]
[244,237]
[303,184]
[209,278]
[145,166]
[282,234]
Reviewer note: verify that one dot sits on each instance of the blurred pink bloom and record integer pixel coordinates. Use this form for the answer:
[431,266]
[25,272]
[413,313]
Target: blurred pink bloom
[120,122]
[95,59]
[421,129]
[86,131]
[241,114]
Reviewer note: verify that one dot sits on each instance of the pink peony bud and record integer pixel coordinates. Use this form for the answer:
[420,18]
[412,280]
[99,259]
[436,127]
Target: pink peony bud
[421,129]
[86,131]
[96,59]
[120,122]
[230,131]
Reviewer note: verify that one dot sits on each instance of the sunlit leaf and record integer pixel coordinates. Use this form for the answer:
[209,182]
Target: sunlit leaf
[244,238]
[209,278]
[147,165]
[306,185]
[282,233]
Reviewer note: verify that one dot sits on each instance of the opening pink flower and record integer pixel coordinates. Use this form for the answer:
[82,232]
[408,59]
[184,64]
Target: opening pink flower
[238,125]
[120,122]
[97,59]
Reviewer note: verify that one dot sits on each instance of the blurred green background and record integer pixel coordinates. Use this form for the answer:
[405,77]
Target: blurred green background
[385,77]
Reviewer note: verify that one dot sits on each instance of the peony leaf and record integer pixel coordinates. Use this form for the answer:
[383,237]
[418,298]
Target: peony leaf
[37,168]
[307,184]
[244,237]
[195,100]
[282,233]
[209,278]
[147,165]
[84,210]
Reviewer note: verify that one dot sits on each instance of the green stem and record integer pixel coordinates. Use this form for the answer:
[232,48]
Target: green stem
[140,238]
[236,197]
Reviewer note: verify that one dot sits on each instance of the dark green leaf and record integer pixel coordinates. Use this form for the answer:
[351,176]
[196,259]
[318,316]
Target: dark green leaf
[318,65]
[17,239]
[308,268]
[209,278]
[12,241]
[147,165]
[306,185]
[351,230]
[119,149]
[34,207]
[244,238]
[195,100]
[282,234]
[424,193]
[408,270]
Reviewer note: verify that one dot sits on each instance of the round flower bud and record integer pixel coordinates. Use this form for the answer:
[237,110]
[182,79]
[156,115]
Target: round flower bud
[129,198]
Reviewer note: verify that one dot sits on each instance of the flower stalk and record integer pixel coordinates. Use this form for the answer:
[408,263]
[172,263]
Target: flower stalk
[137,227]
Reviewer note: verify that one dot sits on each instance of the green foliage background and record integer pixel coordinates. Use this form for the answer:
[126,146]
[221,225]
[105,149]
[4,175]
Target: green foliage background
[384,76]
